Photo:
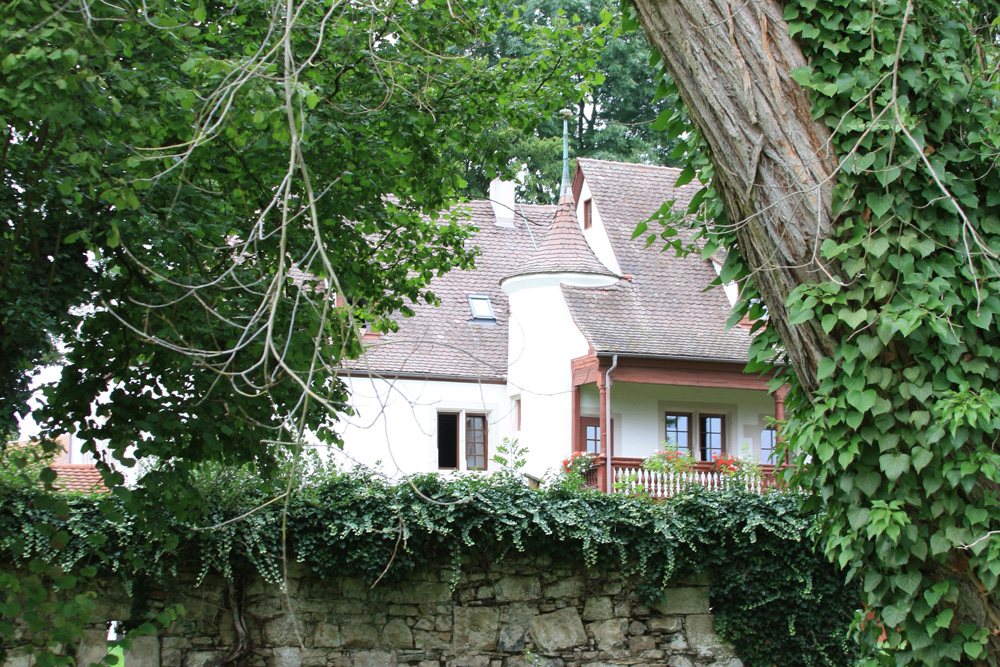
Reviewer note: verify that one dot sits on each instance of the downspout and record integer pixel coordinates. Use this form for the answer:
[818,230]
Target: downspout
[607,436]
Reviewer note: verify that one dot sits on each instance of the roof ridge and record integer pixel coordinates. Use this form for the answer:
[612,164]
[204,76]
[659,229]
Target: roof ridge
[630,164]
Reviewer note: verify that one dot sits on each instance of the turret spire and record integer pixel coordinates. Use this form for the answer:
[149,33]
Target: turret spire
[566,187]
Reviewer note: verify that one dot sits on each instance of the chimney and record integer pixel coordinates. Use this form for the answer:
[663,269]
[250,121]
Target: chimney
[502,198]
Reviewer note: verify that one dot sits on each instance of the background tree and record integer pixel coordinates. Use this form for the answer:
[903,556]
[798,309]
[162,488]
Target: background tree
[853,149]
[614,111]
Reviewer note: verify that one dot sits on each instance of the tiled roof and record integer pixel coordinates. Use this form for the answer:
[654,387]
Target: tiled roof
[664,310]
[563,249]
[444,342]
[78,477]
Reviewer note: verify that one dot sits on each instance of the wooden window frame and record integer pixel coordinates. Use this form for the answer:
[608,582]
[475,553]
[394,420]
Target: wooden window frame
[588,213]
[702,449]
[486,439]
[690,421]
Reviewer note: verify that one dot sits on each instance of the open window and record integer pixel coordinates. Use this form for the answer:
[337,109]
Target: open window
[462,436]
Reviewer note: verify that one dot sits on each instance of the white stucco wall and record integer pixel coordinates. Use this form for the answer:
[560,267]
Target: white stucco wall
[597,235]
[543,340]
[395,427]
[638,411]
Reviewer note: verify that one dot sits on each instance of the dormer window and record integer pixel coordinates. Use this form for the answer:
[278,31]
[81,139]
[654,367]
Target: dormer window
[482,309]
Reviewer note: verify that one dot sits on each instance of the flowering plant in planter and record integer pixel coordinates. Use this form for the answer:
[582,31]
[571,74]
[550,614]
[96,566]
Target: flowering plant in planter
[576,466]
[669,460]
[579,462]
[727,464]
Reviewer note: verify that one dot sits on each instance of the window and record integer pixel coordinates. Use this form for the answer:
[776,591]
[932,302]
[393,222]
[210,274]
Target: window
[712,436]
[517,414]
[462,434]
[447,440]
[590,431]
[768,441]
[678,430]
[475,442]
[482,309]
[588,220]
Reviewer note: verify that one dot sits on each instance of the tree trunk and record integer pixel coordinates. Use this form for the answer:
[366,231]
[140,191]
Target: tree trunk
[774,167]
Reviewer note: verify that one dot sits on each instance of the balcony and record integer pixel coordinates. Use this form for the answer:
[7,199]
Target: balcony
[628,476]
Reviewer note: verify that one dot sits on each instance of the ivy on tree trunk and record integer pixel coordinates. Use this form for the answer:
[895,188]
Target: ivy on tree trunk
[852,150]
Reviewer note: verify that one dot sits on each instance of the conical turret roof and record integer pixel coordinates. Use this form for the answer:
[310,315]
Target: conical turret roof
[563,249]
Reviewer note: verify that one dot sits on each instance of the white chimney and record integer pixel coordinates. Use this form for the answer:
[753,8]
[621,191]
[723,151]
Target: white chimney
[502,198]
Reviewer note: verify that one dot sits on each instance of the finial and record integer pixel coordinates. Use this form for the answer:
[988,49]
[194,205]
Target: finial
[566,187]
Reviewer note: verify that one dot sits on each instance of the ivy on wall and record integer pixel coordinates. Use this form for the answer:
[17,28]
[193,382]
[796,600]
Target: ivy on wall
[775,598]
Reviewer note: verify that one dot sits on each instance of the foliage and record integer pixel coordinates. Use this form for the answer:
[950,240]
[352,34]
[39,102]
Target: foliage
[612,120]
[187,185]
[898,443]
[669,460]
[777,599]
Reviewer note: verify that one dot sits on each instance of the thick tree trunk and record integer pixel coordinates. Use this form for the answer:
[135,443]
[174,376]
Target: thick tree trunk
[773,163]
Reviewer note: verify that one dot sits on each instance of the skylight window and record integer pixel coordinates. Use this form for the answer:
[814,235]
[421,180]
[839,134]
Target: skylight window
[482,309]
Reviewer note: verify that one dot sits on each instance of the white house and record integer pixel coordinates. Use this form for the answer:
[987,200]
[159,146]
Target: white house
[568,331]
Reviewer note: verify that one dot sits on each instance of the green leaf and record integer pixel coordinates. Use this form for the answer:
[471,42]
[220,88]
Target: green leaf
[685,176]
[894,465]
[826,368]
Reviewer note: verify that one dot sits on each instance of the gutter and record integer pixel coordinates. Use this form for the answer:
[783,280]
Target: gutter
[607,436]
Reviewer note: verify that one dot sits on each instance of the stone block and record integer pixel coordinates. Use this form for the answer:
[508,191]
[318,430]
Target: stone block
[679,661]
[515,619]
[93,647]
[570,587]
[359,635]
[145,652]
[636,644]
[354,589]
[686,600]
[598,609]
[314,657]
[204,659]
[421,592]
[664,623]
[609,635]
[17,658]
[470,661]
[636,628]
[424,624]
[396,634]
[402,610]
[281,631]
[374,659]
[475,628]
[286,656]
[428,641]
[701,631]
[516,589]
[327,635]
[558,631]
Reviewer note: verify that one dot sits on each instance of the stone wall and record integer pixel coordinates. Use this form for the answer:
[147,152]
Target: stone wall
[518,612]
